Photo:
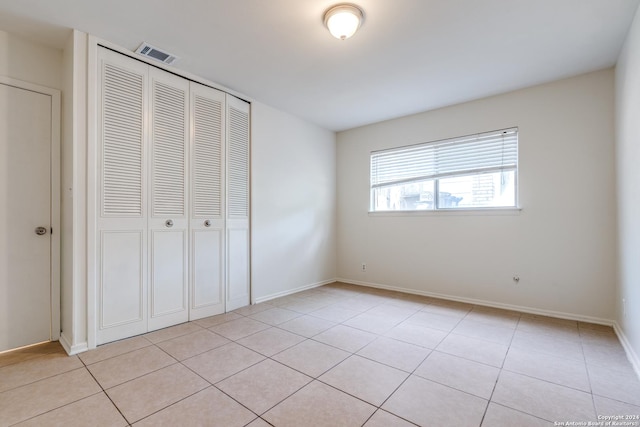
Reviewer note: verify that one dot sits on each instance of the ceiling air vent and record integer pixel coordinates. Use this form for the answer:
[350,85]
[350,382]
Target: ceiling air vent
[146,49]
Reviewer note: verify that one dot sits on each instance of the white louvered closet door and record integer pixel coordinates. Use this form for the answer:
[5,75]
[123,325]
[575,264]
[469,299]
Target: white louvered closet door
[122,211]
[168,216]
[238,238]
[207,202]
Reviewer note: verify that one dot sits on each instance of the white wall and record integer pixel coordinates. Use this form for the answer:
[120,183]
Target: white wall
[293,193]
[73,194]
[628,184]
[30,62]
[66,193]
[562,243]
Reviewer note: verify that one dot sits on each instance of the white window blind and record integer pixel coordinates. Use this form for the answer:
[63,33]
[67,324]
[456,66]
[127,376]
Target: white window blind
[480,153]
[468,172]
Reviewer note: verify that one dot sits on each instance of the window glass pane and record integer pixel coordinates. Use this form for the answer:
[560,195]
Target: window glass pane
[405,197]
[496,189]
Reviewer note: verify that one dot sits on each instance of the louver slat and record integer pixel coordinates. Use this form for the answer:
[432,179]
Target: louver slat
[486,152]
[207,165]
[168,150]
[122,142]
[238,163]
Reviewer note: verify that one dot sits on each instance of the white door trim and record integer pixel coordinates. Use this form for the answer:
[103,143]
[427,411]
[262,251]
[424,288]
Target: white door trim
[55,195]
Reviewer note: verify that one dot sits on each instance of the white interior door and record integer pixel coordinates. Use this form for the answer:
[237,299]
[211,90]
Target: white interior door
[207,214]
[122,220]
[238,238]
[25,204]
[168,223]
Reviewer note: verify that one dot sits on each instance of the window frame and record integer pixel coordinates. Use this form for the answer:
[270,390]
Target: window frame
[437,177]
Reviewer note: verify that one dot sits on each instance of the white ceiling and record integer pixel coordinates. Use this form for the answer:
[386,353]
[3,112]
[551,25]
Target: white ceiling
[409,55]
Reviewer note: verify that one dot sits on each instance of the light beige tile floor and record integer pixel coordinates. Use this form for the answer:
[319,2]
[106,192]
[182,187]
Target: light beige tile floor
[338,355]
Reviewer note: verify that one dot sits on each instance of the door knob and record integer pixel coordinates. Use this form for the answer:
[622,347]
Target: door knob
[169,223]
[41,230]
[207,223]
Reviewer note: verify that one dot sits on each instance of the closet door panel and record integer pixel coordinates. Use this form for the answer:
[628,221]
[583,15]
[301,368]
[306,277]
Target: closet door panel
[121,220]
[122,285]
[237,163]
[168,221]
[208,277]
[238,270]
[122,278]
[207,190]
[167,275]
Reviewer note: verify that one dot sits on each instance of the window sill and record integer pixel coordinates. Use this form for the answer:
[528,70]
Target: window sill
[452,212]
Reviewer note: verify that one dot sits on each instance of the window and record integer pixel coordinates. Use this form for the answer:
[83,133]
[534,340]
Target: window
[476,171]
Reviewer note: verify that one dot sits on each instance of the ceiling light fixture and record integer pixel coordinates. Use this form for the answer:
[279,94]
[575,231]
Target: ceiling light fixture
[343,20]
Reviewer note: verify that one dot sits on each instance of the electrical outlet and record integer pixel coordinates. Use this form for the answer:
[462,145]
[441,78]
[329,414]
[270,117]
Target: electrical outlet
[364,266]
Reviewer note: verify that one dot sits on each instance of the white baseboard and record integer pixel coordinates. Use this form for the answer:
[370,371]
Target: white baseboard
[72,349]
[292,291]
[523,309]
[631,354]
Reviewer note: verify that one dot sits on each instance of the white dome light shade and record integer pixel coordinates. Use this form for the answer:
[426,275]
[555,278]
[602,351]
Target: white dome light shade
[343,20]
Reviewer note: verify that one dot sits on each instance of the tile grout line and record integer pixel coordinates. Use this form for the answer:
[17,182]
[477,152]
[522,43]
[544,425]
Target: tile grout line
[209,382]
[242,370]
[39,379]
[400,385]
[135,378]
[412,373]
[120,354]
[355,354]
[378,335]
[316,378]
[495,384]
[502,369]
[59,407]
[192,394]
[105,393]
[586,367]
